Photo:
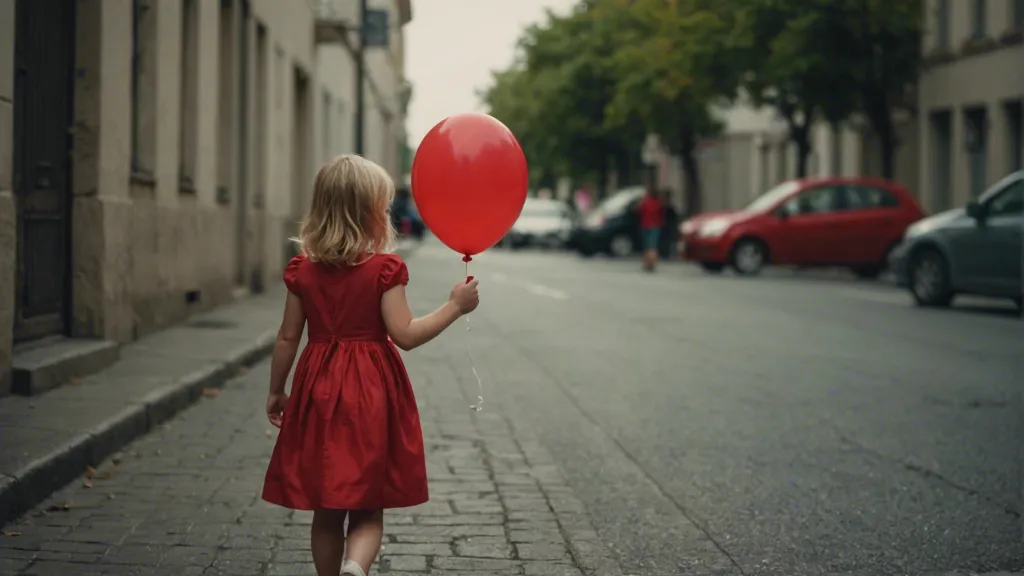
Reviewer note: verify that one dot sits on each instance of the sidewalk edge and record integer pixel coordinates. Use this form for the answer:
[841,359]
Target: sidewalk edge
[39,479]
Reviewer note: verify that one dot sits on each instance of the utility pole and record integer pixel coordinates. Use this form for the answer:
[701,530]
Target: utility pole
[361,77]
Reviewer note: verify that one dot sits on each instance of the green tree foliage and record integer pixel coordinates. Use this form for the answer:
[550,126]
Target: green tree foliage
[793,60]
[589,85]
[557,95]
[884,42]
[671,65]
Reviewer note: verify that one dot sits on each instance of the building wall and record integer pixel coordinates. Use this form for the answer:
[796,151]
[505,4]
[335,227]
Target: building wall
[7,217]
[197,209]
[968,74]
[384,118]
[150,250]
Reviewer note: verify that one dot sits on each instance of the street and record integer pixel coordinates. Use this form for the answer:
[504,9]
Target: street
[789,424]
[775,425]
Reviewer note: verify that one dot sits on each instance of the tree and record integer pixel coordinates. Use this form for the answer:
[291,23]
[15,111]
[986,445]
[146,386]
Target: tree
[513,97]
[565,77]
[884,38]
[795,60]
[669,69]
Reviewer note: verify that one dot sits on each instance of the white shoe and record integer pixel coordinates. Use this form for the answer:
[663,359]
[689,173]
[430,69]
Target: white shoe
[351,567]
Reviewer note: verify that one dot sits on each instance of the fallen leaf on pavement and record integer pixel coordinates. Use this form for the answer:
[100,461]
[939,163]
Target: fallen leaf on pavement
[61,507]
[116,458]
[11,533]
[211,392]
[90,472]
[87,483]
[74,381]
[270,433]
[243,370]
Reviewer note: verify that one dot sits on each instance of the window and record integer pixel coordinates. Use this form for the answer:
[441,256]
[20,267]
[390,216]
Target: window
[1009,202]
[1013,113]
[326,126]
[978,16]
[867,198]
[942,25]
[189,93]
[770,198]
[814,201]
[143,109]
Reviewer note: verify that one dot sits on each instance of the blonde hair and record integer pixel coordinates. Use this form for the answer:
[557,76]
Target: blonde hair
[349,216]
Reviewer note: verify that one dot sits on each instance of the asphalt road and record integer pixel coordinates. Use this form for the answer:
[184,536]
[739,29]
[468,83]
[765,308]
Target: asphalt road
[788,424]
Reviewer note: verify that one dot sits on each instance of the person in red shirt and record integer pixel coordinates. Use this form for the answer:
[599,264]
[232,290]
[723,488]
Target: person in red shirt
[652,218]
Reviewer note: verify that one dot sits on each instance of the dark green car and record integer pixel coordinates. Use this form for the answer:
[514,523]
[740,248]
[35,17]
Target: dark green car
[978,249]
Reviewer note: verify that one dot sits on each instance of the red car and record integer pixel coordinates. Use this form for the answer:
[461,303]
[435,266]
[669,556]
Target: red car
[853,222]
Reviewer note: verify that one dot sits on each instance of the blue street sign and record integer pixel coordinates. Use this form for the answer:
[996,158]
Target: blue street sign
[375,29]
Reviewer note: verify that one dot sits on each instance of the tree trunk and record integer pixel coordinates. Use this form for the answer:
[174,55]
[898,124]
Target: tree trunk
[803,152]
[692,194]
[882,124]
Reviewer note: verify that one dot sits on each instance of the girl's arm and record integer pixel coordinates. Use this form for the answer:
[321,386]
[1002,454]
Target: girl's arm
[407,332]
[287,344]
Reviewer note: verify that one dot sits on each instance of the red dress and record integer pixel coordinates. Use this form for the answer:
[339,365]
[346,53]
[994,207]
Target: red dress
[350,437]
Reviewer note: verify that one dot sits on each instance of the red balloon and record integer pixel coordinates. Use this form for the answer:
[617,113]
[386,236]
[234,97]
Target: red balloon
[469,181]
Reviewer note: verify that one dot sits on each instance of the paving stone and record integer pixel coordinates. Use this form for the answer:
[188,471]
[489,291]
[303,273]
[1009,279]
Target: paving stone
[542,551]
[422,549]
[484,547]
[184,500]
[406,562]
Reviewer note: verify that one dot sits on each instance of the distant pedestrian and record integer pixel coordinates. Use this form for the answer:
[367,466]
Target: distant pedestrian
[652,218]
[350,443]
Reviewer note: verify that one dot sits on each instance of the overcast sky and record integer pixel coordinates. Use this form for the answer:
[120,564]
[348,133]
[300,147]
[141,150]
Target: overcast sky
[453,45]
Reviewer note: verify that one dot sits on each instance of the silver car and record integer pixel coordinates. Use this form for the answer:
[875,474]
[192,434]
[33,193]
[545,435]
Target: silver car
[978,249]
[544,223]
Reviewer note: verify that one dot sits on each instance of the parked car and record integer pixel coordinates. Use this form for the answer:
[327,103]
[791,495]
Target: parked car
[854,222]
[406,218]
[613,227]
[977,249]
[543,222]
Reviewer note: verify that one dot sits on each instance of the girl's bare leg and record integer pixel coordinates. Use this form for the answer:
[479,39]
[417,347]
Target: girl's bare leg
[327,539]
[365,531]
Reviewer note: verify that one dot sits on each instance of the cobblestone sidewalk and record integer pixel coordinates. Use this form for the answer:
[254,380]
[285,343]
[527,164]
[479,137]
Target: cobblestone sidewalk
[184,501]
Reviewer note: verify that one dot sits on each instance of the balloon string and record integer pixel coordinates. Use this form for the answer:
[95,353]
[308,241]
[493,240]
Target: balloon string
[469,347]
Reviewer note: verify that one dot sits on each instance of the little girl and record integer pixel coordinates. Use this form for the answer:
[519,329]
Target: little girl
[350,442]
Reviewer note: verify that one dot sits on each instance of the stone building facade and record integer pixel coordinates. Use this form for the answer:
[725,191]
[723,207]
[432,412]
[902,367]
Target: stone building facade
[970,98]
[155,156]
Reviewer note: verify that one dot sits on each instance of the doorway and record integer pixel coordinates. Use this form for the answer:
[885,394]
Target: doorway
[44,63]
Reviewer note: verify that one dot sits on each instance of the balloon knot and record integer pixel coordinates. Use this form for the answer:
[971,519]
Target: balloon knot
[467,258]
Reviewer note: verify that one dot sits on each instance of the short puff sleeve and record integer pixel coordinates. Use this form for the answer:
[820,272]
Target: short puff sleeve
[291,274]
[392,273]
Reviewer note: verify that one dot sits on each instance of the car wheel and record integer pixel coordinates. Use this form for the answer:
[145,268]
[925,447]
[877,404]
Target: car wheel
[621,246]
[929,279]
[749,256]
[712,268]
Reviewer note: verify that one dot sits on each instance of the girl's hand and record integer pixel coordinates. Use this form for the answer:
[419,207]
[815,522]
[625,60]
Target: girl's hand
[276,404]
[465,296]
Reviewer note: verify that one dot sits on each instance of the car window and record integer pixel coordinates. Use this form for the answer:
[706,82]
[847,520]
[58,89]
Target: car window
[770,198]
[618,202]
[869,197]
[1009,202]
[819,200]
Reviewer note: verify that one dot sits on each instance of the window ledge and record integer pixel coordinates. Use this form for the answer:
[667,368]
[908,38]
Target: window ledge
[186,186]
[143,177]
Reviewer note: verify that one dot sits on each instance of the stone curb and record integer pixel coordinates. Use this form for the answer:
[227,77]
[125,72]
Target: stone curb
[40,478]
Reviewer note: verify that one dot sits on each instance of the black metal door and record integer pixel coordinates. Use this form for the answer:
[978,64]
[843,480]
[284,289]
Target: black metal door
[44,60]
